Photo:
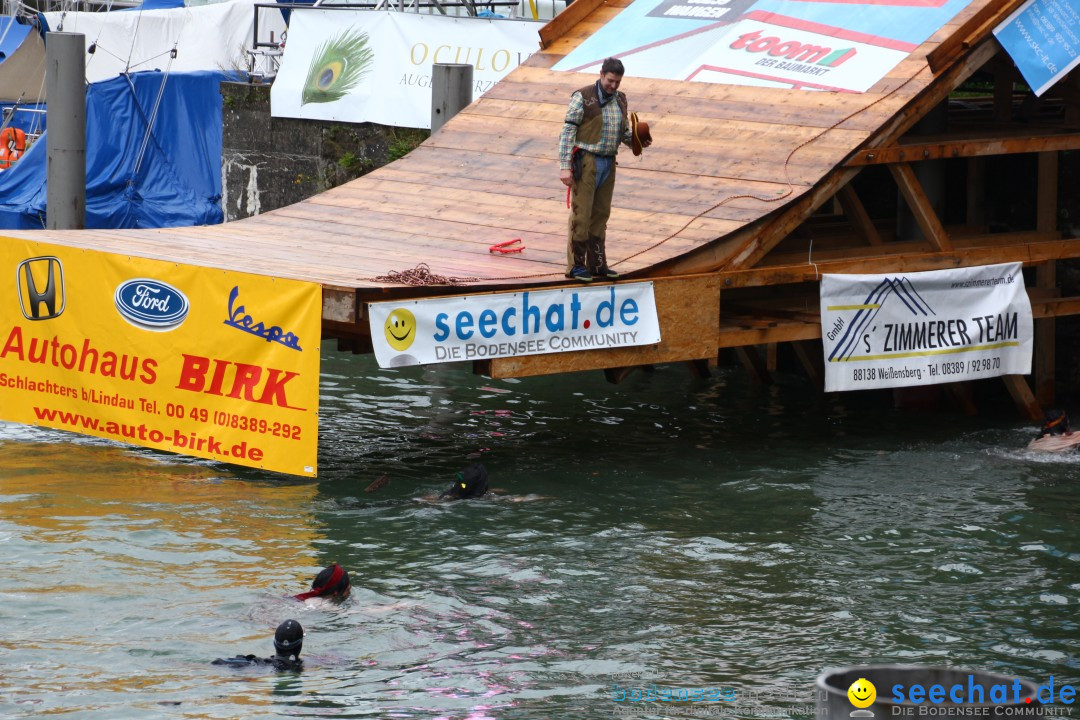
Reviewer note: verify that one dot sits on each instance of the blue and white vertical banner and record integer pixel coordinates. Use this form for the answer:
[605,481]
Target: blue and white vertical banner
[941,326]
[478,327]
[1043,39]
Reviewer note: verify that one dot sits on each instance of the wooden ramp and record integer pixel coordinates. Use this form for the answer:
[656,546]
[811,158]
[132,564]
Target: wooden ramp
[726,200]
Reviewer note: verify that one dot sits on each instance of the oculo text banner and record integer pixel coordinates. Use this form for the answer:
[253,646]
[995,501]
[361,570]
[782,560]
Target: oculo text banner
[942,326]
[477,327]
[375,66]
[215,364]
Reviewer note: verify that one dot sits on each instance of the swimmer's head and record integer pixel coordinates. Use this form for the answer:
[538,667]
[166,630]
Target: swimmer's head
[331,582]
[289,638]
[472,482]
[1057,423]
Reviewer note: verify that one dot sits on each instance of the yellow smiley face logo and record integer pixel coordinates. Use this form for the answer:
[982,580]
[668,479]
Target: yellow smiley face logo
[400,329]
[862,693]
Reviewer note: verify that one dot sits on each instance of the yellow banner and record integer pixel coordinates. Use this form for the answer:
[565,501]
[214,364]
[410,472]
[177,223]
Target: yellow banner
[215,364]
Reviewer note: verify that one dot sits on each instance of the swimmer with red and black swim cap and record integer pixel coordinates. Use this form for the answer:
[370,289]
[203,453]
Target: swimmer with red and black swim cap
[332,583]
[1057,423]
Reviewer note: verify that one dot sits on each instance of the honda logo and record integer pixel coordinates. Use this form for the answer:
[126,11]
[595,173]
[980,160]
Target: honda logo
[41,283]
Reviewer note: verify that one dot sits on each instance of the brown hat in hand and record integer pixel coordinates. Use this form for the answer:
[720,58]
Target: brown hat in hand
[640,131]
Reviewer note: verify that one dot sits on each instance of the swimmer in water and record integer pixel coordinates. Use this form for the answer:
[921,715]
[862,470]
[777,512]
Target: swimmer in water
[1057,423]
[288,641]
[331,583]
[472,482]
[1055,435]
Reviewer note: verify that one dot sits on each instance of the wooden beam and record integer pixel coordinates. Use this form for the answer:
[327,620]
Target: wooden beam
[699,368]
[1022,396]
[975,212]
[1029,248]
[811,356]
[1045,339]
[617,375]
[751,360]
[754,241]
[974,29]
[1046,279]
[565,21]
[736,337]
[1047,189]
[966,147]
[937,92]
[921,208]
[771,356]
[1003,93]
[960,393]
[856,213]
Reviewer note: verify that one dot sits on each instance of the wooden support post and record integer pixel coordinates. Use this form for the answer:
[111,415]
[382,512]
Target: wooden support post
[771,357]
[699,369]
[1046,279]
[960,393]
[976,192]
[751,360]
[617,375]
[920,205]
[857,215]
[812,358]
[1023,397]
[1003,93]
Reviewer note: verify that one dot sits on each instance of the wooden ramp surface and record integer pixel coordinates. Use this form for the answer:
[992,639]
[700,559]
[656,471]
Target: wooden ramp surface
[723,157]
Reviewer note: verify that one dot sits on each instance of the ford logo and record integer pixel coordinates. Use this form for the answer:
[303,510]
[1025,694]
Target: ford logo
[151,304]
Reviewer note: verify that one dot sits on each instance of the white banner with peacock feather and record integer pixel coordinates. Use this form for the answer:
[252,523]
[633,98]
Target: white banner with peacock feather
[375,66]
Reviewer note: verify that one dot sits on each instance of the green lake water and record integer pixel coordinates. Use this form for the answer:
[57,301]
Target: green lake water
[688,534]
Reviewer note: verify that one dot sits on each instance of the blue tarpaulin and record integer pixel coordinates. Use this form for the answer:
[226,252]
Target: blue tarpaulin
[158,5]
[12,34]
[168,178]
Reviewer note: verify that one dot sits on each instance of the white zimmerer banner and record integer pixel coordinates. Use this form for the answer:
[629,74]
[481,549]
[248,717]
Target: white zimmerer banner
[923,328]
[375,65]
[530,322]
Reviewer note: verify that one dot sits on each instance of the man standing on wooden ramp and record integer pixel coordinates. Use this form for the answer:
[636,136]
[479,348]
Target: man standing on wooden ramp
[589,141]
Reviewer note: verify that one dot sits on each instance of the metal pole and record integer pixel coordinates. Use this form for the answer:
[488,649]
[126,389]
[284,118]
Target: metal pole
[65,117]
[451,91]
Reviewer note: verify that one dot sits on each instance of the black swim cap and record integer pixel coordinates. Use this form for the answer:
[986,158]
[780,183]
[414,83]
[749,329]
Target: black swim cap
[471,482]
[289,638]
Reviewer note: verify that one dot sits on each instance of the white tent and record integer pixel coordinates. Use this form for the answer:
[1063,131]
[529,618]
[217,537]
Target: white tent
[205,37]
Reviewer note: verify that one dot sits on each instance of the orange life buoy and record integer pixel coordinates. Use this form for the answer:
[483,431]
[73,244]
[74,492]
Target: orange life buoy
[12,145]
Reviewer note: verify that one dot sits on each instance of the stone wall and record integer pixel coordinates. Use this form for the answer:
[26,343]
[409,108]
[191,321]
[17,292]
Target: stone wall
[267,162]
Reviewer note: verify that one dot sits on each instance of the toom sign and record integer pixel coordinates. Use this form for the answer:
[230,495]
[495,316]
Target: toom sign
[778,51]
[476,327]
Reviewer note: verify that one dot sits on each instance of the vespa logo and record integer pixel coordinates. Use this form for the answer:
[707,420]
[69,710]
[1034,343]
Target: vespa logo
[41,282]
[151,304]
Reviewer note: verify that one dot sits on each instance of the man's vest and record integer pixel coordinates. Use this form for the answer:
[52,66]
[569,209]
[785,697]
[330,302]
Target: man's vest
[592,121]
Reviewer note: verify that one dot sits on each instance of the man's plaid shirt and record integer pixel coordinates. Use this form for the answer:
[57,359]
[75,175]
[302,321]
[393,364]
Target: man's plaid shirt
[614,130]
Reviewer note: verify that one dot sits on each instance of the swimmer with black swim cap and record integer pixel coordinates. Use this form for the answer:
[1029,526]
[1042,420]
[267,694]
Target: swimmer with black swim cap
[472,482]
[288,642]
[331,583]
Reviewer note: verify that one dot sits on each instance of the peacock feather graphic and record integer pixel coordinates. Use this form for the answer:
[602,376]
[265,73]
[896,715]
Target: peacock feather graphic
[339,64]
